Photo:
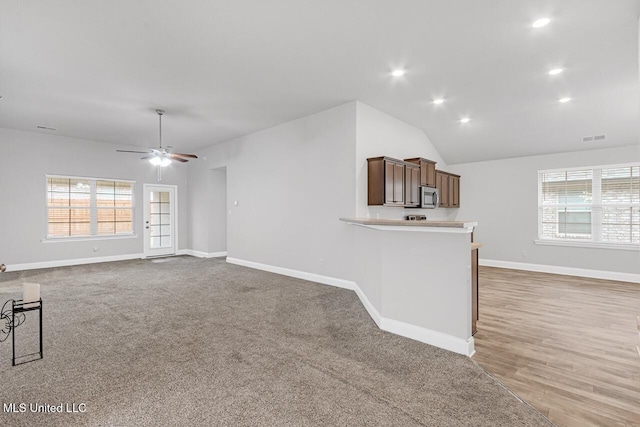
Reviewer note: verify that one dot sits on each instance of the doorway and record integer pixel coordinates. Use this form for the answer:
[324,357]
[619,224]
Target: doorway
[160,231]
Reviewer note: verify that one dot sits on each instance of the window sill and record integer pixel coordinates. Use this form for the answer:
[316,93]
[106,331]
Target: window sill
[86,239]
[597,245]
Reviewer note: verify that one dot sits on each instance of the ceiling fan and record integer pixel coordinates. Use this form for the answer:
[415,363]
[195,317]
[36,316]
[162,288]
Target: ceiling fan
[160,156]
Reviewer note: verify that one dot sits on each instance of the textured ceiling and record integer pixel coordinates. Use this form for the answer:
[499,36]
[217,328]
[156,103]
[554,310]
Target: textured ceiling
[221,69]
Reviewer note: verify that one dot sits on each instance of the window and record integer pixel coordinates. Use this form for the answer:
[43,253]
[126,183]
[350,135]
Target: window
[81,207]
[598,205]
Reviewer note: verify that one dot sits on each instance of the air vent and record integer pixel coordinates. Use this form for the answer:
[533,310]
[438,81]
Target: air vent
[593,138]
[45,127]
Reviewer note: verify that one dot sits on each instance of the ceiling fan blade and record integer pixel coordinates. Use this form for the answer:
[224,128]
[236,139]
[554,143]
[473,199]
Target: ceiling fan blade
[129,151]
[147,157]
[191,156]
[177,158]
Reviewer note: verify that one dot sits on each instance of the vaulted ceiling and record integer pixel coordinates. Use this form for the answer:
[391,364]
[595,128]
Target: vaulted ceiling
[221,69]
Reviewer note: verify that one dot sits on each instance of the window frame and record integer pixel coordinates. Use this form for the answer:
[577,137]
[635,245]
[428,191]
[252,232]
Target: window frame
[596,214]
[93,211]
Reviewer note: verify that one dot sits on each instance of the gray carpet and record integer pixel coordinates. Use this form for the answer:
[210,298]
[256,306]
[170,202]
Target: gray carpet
[201,342]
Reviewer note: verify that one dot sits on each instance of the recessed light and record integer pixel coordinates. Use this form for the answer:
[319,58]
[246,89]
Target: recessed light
[556,71]
[465,120]
[398,72]
[438,101]
[540,22]
[563,100]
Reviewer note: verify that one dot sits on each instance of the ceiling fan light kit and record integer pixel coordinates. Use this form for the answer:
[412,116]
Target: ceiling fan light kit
[160,161]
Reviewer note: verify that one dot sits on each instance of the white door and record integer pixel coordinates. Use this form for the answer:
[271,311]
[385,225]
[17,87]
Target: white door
[160,220]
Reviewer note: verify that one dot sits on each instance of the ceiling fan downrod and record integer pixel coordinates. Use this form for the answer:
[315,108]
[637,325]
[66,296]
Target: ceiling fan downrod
[160,113]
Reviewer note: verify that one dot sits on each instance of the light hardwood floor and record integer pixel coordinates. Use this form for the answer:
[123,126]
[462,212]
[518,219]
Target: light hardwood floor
[566,345]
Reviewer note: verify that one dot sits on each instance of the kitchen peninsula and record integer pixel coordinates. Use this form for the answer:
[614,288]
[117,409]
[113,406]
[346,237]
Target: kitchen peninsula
[415,279]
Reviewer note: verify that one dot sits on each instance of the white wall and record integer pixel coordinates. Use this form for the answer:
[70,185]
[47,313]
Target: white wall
[25,159]
[207,224]
[291,182]
[379,134]
[218,211]
[502,195]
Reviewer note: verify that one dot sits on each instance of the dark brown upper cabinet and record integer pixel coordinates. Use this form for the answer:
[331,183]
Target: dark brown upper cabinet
[393,182]
[386,178]
[454,191]
[411,185]
[427,171]
[449,186]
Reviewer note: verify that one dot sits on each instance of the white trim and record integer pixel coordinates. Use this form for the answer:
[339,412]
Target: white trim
[88,238]
[340,283]
[427,336]
[577,168]
[97,178]
[588,244]
[93,211]
[377,319]
[200,254]
[68,262]
[148,252]
[567,271]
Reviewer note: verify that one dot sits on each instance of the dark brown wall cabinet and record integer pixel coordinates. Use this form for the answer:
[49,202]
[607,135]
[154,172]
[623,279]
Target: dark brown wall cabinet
[386,178]
[427,171]
[393,182]
[411,185]
[449,186]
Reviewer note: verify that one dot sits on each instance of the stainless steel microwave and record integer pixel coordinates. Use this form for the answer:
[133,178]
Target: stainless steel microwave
[429,197]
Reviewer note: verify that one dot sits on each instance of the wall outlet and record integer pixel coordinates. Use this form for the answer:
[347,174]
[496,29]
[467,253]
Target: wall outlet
[523,253]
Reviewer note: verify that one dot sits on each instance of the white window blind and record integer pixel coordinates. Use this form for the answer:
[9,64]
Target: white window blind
[599,204]
[81,207]
[621,204]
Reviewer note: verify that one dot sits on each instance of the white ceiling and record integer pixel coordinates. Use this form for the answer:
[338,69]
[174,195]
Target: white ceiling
[221,69]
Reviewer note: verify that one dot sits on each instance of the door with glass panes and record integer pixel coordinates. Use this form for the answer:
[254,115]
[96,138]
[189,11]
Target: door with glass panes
[159,220]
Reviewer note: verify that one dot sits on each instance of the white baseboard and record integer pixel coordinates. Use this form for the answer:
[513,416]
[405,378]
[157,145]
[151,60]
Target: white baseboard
[375,315]
[95,260]
[340,283]
[68,262]
[568,271]
[200,254]
[427,336]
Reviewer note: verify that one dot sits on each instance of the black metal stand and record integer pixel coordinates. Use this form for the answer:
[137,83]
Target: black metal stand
[20,307]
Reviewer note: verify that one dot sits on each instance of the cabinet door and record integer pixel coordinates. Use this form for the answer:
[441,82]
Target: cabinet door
[412,185]
[398,183]
[428,171]
[415,187]
[442,184]
[455,192]
[424,173]
[389,182]
[451,185]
